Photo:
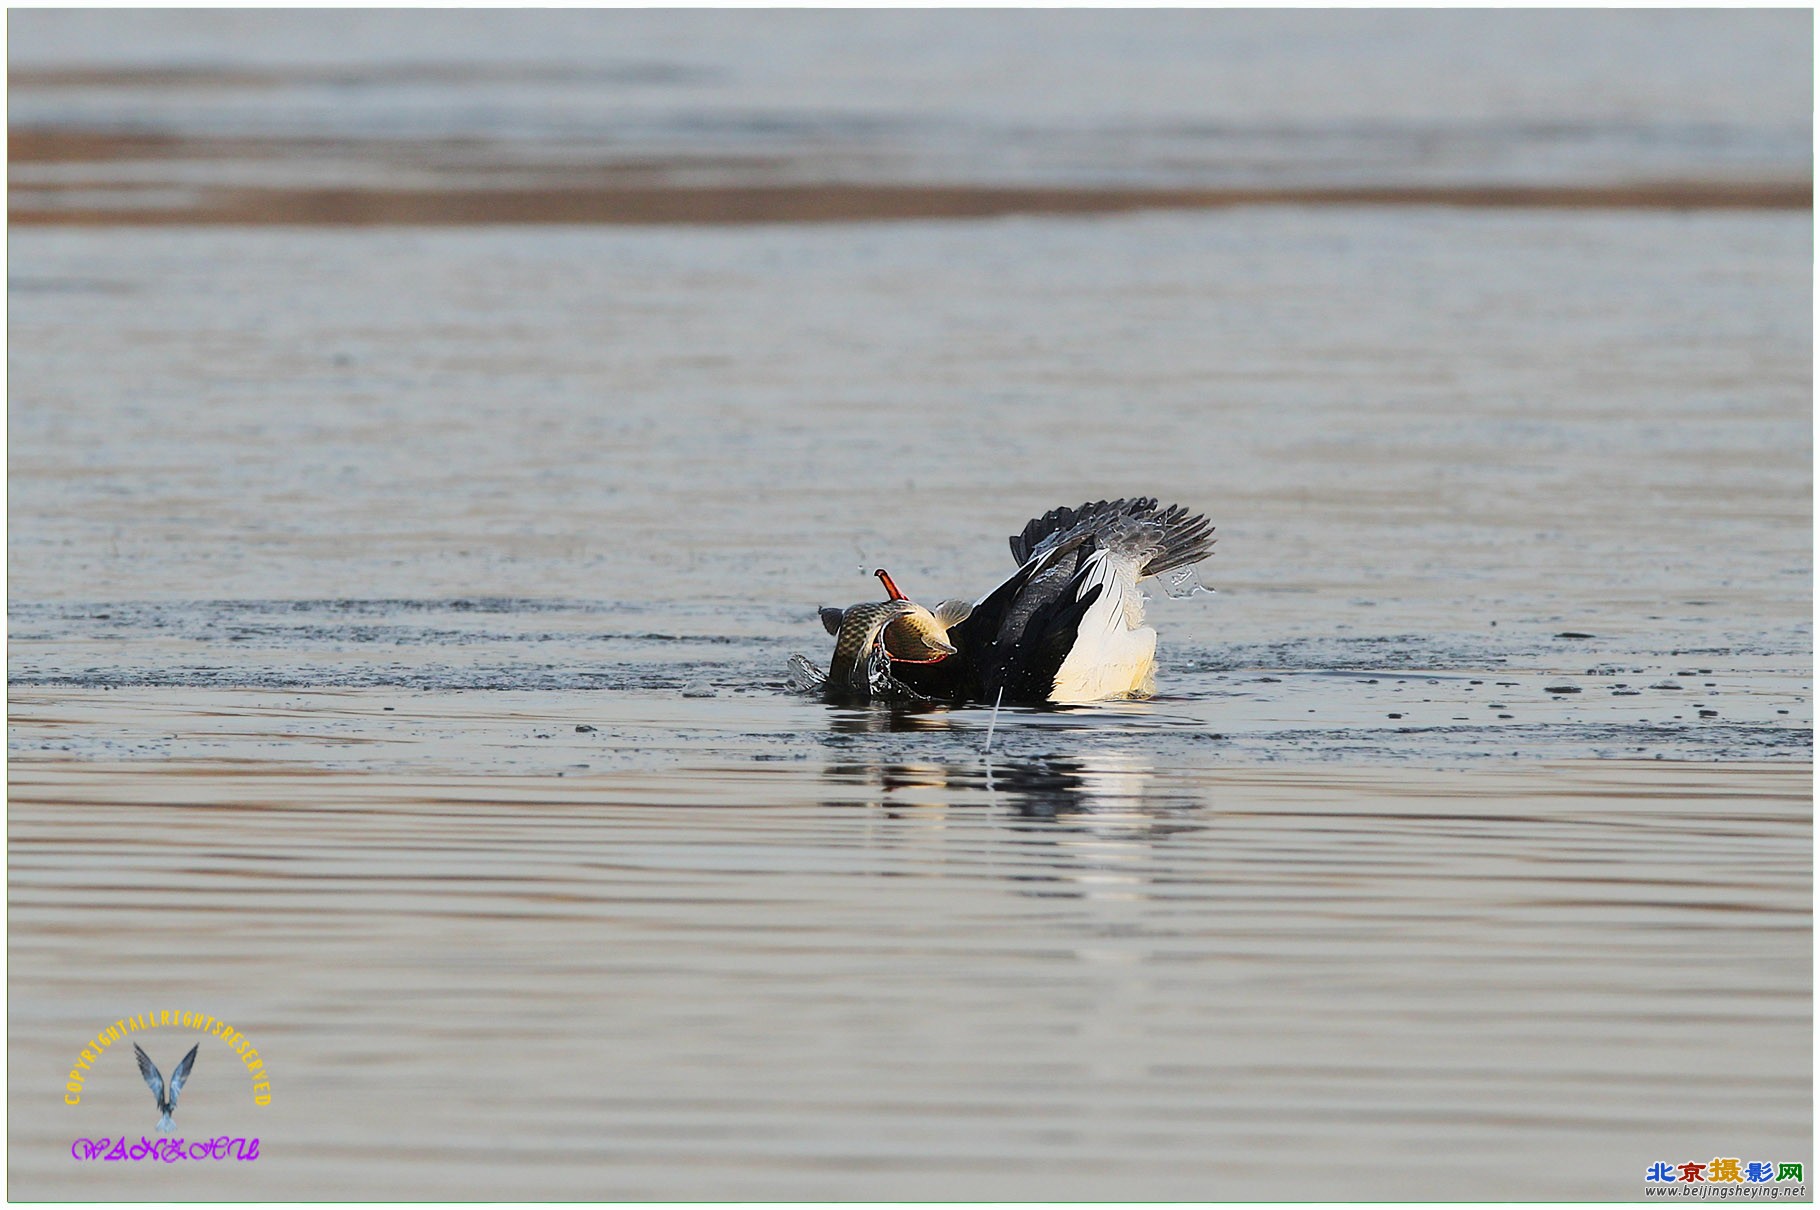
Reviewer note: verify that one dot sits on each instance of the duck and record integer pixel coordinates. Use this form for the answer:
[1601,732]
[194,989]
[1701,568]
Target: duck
[1066,628]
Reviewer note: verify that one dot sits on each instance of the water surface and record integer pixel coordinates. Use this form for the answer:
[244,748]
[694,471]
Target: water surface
[1085,976]
[457,117]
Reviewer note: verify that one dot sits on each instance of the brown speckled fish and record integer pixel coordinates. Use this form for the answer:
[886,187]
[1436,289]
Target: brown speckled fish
[870,637]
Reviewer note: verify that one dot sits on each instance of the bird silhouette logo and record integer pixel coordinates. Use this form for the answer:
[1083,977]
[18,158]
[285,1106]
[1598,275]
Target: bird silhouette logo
[154,1080]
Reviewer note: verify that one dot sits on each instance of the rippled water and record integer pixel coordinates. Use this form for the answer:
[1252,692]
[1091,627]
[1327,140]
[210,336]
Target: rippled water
[1173,97]
[398,625]
[1087,976]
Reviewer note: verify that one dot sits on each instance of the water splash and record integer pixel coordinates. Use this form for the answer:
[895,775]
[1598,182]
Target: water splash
[1182,582]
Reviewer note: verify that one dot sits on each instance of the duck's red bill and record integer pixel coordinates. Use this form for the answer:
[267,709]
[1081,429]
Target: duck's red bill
[890,585]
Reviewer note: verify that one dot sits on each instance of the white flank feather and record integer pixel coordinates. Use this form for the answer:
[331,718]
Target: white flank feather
[1114,653]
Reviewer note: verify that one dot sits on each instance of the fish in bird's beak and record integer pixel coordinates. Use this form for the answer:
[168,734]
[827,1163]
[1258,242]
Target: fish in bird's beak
[898,629]
[919,635]
[917,638]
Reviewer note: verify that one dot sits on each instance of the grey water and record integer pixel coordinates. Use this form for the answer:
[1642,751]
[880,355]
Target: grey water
[398,626]
[1182,97]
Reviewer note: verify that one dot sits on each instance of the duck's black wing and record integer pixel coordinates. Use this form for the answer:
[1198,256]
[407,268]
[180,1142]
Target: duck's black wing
[1159,539]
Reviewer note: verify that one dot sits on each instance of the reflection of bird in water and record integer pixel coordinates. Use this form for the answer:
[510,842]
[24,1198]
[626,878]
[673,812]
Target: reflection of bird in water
[897,717]
[1111,786]
[167,1102]
[1068,626]
[1064,786]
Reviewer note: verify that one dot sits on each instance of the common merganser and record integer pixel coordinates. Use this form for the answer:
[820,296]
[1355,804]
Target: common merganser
[1067,627]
